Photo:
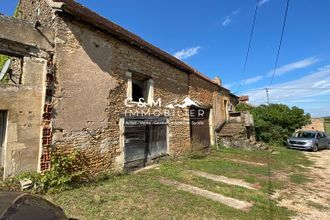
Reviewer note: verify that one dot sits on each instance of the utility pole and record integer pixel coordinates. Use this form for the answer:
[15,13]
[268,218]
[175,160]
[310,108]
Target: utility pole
[267,93]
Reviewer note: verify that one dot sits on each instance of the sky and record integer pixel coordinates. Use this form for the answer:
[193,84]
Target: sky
[213,35]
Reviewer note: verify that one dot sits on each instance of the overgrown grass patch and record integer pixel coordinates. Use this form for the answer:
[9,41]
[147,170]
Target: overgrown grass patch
[142,196]
[299,178]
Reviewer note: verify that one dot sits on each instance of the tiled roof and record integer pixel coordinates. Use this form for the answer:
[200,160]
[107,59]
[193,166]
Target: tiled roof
[243,98]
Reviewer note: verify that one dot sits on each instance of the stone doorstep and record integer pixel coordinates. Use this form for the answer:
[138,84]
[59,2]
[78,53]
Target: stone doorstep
[226,180]
[234,203]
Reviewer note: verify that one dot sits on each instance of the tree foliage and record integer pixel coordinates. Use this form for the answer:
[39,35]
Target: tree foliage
[276,122]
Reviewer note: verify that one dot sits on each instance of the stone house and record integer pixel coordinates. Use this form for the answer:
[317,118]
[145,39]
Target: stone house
[89,84]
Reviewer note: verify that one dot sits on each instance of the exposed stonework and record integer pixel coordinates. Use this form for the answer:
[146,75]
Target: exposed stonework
[102,64]
[24,100]
[29,10]
[87,76]
[238,132]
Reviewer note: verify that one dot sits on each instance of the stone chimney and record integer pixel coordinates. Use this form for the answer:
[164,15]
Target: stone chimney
[217,80]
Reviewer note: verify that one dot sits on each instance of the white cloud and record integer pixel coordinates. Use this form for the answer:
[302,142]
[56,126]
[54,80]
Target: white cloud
[302,100]
[227,21]
[261,2]
[244,82]
[229,85]
[235,12]
[294,66]
[186,53]
[252,80]
[317,84]
[296,89]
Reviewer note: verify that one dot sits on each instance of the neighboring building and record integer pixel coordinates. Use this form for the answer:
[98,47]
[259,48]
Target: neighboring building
[234,100]
[316,124]
[243,99]
[88,84]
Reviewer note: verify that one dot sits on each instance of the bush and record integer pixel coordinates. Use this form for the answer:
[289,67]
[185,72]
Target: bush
[10,184]
[65,173]
[276,122]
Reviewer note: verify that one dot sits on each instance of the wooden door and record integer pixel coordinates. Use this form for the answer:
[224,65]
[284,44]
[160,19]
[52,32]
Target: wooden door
[199,128]
[145,140]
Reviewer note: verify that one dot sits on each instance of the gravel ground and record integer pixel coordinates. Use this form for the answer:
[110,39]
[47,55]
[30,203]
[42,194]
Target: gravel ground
[310,200]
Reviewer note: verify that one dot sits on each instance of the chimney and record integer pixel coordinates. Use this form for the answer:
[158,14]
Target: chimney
[217,80]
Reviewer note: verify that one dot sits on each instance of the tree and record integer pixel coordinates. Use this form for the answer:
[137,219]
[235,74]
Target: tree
[276,122]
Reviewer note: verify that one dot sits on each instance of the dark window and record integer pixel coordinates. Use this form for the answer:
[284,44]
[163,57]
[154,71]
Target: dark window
[304,135]
[3,125]
[139,87]
[138,90]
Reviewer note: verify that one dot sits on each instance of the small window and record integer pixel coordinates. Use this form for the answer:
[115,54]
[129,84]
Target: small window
[10,70]
[138,90]
[318,135]
[140,87]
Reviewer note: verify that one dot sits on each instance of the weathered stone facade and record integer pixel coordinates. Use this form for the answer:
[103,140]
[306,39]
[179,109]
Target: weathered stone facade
[23,100]
[91,82]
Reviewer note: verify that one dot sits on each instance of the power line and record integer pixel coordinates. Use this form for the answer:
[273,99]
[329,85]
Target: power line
[300,88]
[281,39]
[250,42]
[289,88]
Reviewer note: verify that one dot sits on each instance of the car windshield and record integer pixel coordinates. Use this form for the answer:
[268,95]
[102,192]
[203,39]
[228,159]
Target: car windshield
[304,135]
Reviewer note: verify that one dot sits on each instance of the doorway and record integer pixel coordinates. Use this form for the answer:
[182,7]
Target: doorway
[3,128]
[199,128]
[145,140]
[225,104]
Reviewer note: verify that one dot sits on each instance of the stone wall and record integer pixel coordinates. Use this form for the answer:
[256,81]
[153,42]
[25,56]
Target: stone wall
[28,11]
[24,101]
[91,88]
[24,105]
[91,85]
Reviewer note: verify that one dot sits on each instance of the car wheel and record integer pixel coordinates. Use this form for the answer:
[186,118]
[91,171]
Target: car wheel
[315,148]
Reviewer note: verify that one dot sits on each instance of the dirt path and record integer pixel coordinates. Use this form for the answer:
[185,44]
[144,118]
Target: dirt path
[235,203]
[223,179]
[310,200]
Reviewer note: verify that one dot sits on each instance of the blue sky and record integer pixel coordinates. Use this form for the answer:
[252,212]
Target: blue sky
[212,36]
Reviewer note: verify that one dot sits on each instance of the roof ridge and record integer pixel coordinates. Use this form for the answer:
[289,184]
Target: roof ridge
[77,9]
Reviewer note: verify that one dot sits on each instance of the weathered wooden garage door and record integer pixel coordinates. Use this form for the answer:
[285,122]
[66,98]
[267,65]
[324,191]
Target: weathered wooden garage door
[199,128]
[3,121]
[145,140]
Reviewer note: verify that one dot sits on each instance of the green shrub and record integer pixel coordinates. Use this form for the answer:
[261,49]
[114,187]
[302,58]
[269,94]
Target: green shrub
[66,172]
[10,184]
[274,123]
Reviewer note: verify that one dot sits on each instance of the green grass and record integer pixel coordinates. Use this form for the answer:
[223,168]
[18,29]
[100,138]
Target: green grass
[318,206]
[299,178]
[327,125]
[142,196]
